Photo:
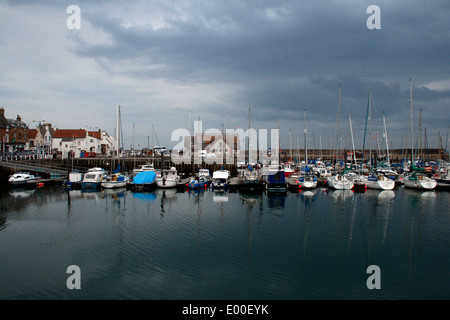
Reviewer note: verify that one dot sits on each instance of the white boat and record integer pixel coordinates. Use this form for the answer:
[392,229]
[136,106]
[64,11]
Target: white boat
[22,179]
[419,180]
[93,178]
[443,178]
[308,181]
[340,182]
[378,181]
[220,179]
[75,179]
[168,179]
[144,167]
[116,180]
[205,174]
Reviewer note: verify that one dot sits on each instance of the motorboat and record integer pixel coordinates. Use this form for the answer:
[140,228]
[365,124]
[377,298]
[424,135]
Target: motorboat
[204,173]
[93,178]
[169,178]
[116,180]
[276,182]
[197,182]
[307,181]
[144,167]
[145,180]
[220,179]
[22,179]
[251,180]
[74,180]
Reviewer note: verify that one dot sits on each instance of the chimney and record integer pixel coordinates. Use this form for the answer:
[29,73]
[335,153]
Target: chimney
[19,118]
[2,112]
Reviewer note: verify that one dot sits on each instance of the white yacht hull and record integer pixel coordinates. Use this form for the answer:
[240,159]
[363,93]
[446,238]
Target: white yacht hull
[386,184]
[339,184]
[167,183]
[428,184]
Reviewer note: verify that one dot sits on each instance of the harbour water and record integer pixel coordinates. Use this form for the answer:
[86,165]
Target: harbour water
[204,245]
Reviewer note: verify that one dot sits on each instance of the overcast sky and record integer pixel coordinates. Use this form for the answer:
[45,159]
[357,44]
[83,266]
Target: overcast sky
[170,61]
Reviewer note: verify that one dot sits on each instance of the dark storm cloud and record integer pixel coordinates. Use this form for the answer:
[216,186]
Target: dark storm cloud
[280,57]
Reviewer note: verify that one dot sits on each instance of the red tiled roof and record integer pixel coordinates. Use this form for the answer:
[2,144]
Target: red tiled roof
[32,133]
[95,134]
[69,133]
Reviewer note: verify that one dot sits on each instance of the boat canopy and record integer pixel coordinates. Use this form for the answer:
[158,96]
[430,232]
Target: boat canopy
[276,178]
[223,174]
[144,177]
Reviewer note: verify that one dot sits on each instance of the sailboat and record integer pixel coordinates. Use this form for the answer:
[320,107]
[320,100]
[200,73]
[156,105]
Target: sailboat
[416,179]
[116,179]
[340,180]
[306,178]
[249,177]
[377,179]
[274,174]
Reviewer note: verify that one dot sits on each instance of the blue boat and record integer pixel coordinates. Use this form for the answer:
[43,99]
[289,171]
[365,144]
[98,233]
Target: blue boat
[276,182]
[198,182]
[144,180]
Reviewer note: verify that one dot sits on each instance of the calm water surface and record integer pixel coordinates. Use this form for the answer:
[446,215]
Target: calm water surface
[204,245]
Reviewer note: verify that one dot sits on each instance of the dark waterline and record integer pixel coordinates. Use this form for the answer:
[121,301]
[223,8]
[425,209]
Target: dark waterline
[169,245]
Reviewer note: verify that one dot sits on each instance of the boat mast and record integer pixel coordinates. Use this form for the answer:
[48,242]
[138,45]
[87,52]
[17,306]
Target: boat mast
[304,135]
[365,130]
[118,134]
[412,123]
[153,146]
[248,148]
[337,129]
[351,133]
[387,143]
[370,130]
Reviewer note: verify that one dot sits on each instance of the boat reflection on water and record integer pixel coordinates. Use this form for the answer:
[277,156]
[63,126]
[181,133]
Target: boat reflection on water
[114,193]
[144,196]
[250,198]
[341,195]
[276,204]
[308,194]
[220,196]
[22,193]
[380,194]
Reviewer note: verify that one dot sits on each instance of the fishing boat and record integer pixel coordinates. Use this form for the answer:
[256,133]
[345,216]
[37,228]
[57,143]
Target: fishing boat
[289,169]
[22,179]
[169,178]
[116,180]
[197,183]
[93,178]
[143,181]
[220,179]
